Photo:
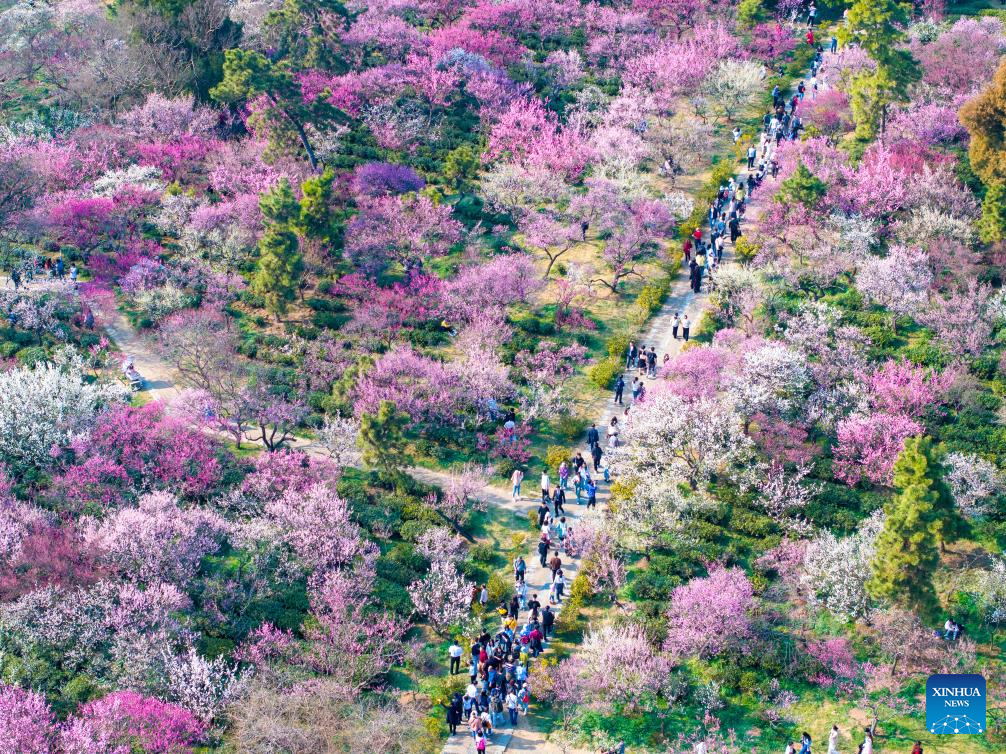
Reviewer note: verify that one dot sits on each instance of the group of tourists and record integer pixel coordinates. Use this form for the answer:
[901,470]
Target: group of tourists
[498,666]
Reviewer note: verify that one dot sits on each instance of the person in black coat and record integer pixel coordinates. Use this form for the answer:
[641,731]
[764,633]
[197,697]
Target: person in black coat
[542,513]
[595,453]
[619,388]
[593,436]
[542,551]
[454,710]
[547,621]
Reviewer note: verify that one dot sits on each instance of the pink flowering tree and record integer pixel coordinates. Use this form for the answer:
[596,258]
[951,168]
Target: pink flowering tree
[868,445]
[550,235]
[487,289]
[400,229]
[441,596]
[315,523]
[621,669]
[158,541]
[530,135]
[27,724]
[130,720]
[964,319]
[905,389]
[709,615]
[347,640]
[463,495]
[545,373]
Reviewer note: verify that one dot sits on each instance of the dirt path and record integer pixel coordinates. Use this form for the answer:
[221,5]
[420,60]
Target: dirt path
[159,377]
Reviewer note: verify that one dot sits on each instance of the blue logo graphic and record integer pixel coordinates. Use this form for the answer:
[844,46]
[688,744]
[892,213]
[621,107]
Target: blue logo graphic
[955,704]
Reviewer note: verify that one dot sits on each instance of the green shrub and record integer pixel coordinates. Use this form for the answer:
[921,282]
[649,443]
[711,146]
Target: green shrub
[617,346]
[555,455]
[482,552]
[571,426]
[603,373]
[499,588]
[650,299]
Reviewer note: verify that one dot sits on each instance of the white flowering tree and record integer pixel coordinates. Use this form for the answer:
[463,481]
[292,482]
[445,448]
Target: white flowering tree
[44,408]
[836,569]
[772,380]
[901,281]
[733,85]
[674,440]
[441,596]
[973,481]
[784,496]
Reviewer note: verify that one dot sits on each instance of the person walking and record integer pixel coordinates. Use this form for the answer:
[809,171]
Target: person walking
[593,436]
[516,479]
[867,746]
[630,356]
[805,743]
[752,154]
[454,652]
[542,513]
[454,709]
[591,494]
[546,485]
[619,388]
[686,325]
[917,749]
[519,569]
[636,386]
[511,706]
[547,621]
[833,740]
[651,362]
[675,324]
[542,551]
[558,501]
[595,454]
[555,563]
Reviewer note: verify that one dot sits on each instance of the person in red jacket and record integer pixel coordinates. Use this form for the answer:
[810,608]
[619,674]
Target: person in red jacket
[810,37]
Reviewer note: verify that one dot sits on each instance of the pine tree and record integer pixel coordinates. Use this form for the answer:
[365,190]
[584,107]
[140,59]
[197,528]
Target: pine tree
[279,269]
[382,437]
[877,27]
[992,225]
[279,205]
[315,220]
[803,187]
[906,555]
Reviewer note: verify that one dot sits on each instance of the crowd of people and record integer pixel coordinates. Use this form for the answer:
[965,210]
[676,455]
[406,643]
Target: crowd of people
[499,663]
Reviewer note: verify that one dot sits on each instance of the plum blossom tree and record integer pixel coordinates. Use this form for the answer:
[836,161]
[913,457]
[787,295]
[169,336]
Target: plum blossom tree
[158,541]
[680,441]
[900,388]
[621,669]
[548,234]
[127,719]
[836,569]
[783,496]
[350,643]
[441,596]
[710,614]
[27,723]
[462,495]
[43,408]
[973,481]
[963,320]
[901,281]
[315,523]
[545,373]
[868,446]
[400,229]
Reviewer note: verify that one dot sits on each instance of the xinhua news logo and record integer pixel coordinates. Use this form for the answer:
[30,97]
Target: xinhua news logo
[955,704]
